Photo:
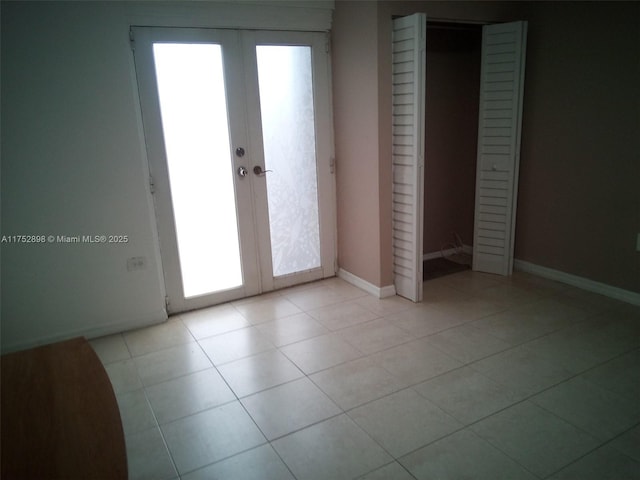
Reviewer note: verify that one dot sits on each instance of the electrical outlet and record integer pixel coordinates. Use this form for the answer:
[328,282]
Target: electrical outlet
[136,263]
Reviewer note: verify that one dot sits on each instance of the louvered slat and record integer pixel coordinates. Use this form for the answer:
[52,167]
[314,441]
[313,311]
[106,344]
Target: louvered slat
[498,146]
[407,150]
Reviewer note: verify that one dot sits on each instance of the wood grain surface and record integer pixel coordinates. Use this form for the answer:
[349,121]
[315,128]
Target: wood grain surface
[59,416]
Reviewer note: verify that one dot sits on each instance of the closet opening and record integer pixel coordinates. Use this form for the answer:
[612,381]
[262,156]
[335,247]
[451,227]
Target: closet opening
[453,60]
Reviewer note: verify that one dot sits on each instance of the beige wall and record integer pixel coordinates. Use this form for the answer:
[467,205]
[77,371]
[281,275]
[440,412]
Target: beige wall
[355,84]
[453,95]
[579,201]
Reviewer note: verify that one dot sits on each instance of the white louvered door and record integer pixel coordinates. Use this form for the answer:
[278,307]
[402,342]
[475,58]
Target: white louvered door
[501,91]
[409,60]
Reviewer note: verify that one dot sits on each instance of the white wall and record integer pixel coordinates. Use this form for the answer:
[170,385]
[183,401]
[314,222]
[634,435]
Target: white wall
[74,161]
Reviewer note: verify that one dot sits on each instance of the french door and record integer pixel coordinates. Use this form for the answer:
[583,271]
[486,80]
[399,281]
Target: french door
[238,135]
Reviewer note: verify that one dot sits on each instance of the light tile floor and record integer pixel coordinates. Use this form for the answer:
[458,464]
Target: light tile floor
[488,378]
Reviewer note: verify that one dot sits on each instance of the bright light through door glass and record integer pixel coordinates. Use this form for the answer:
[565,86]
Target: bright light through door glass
[288,128]
[196,134]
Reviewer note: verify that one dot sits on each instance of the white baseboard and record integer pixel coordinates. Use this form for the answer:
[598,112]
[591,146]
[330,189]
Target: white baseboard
[468,249]
[94,331]
[378,292]
[580,282]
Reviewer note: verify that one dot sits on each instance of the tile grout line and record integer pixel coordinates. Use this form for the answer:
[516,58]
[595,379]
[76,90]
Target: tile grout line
[367,355]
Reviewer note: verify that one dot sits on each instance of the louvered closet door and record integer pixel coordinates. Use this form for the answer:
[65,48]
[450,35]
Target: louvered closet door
[501,90]
[409,45]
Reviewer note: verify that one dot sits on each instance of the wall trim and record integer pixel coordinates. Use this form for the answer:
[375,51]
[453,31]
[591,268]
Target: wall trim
[378,292]
[89,333]
[315,16]
[580,282]
[468,249]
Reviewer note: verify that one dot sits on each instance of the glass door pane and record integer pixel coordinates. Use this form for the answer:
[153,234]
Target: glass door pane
[288,127]
[193,107]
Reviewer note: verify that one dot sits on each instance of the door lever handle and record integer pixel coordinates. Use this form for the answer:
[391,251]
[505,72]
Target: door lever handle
[258,171]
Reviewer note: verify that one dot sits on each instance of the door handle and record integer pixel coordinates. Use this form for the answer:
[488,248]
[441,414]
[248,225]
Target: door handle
[258,171]
[242,171]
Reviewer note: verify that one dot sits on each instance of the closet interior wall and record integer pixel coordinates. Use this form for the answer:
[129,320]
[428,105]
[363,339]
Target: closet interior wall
[451,123]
